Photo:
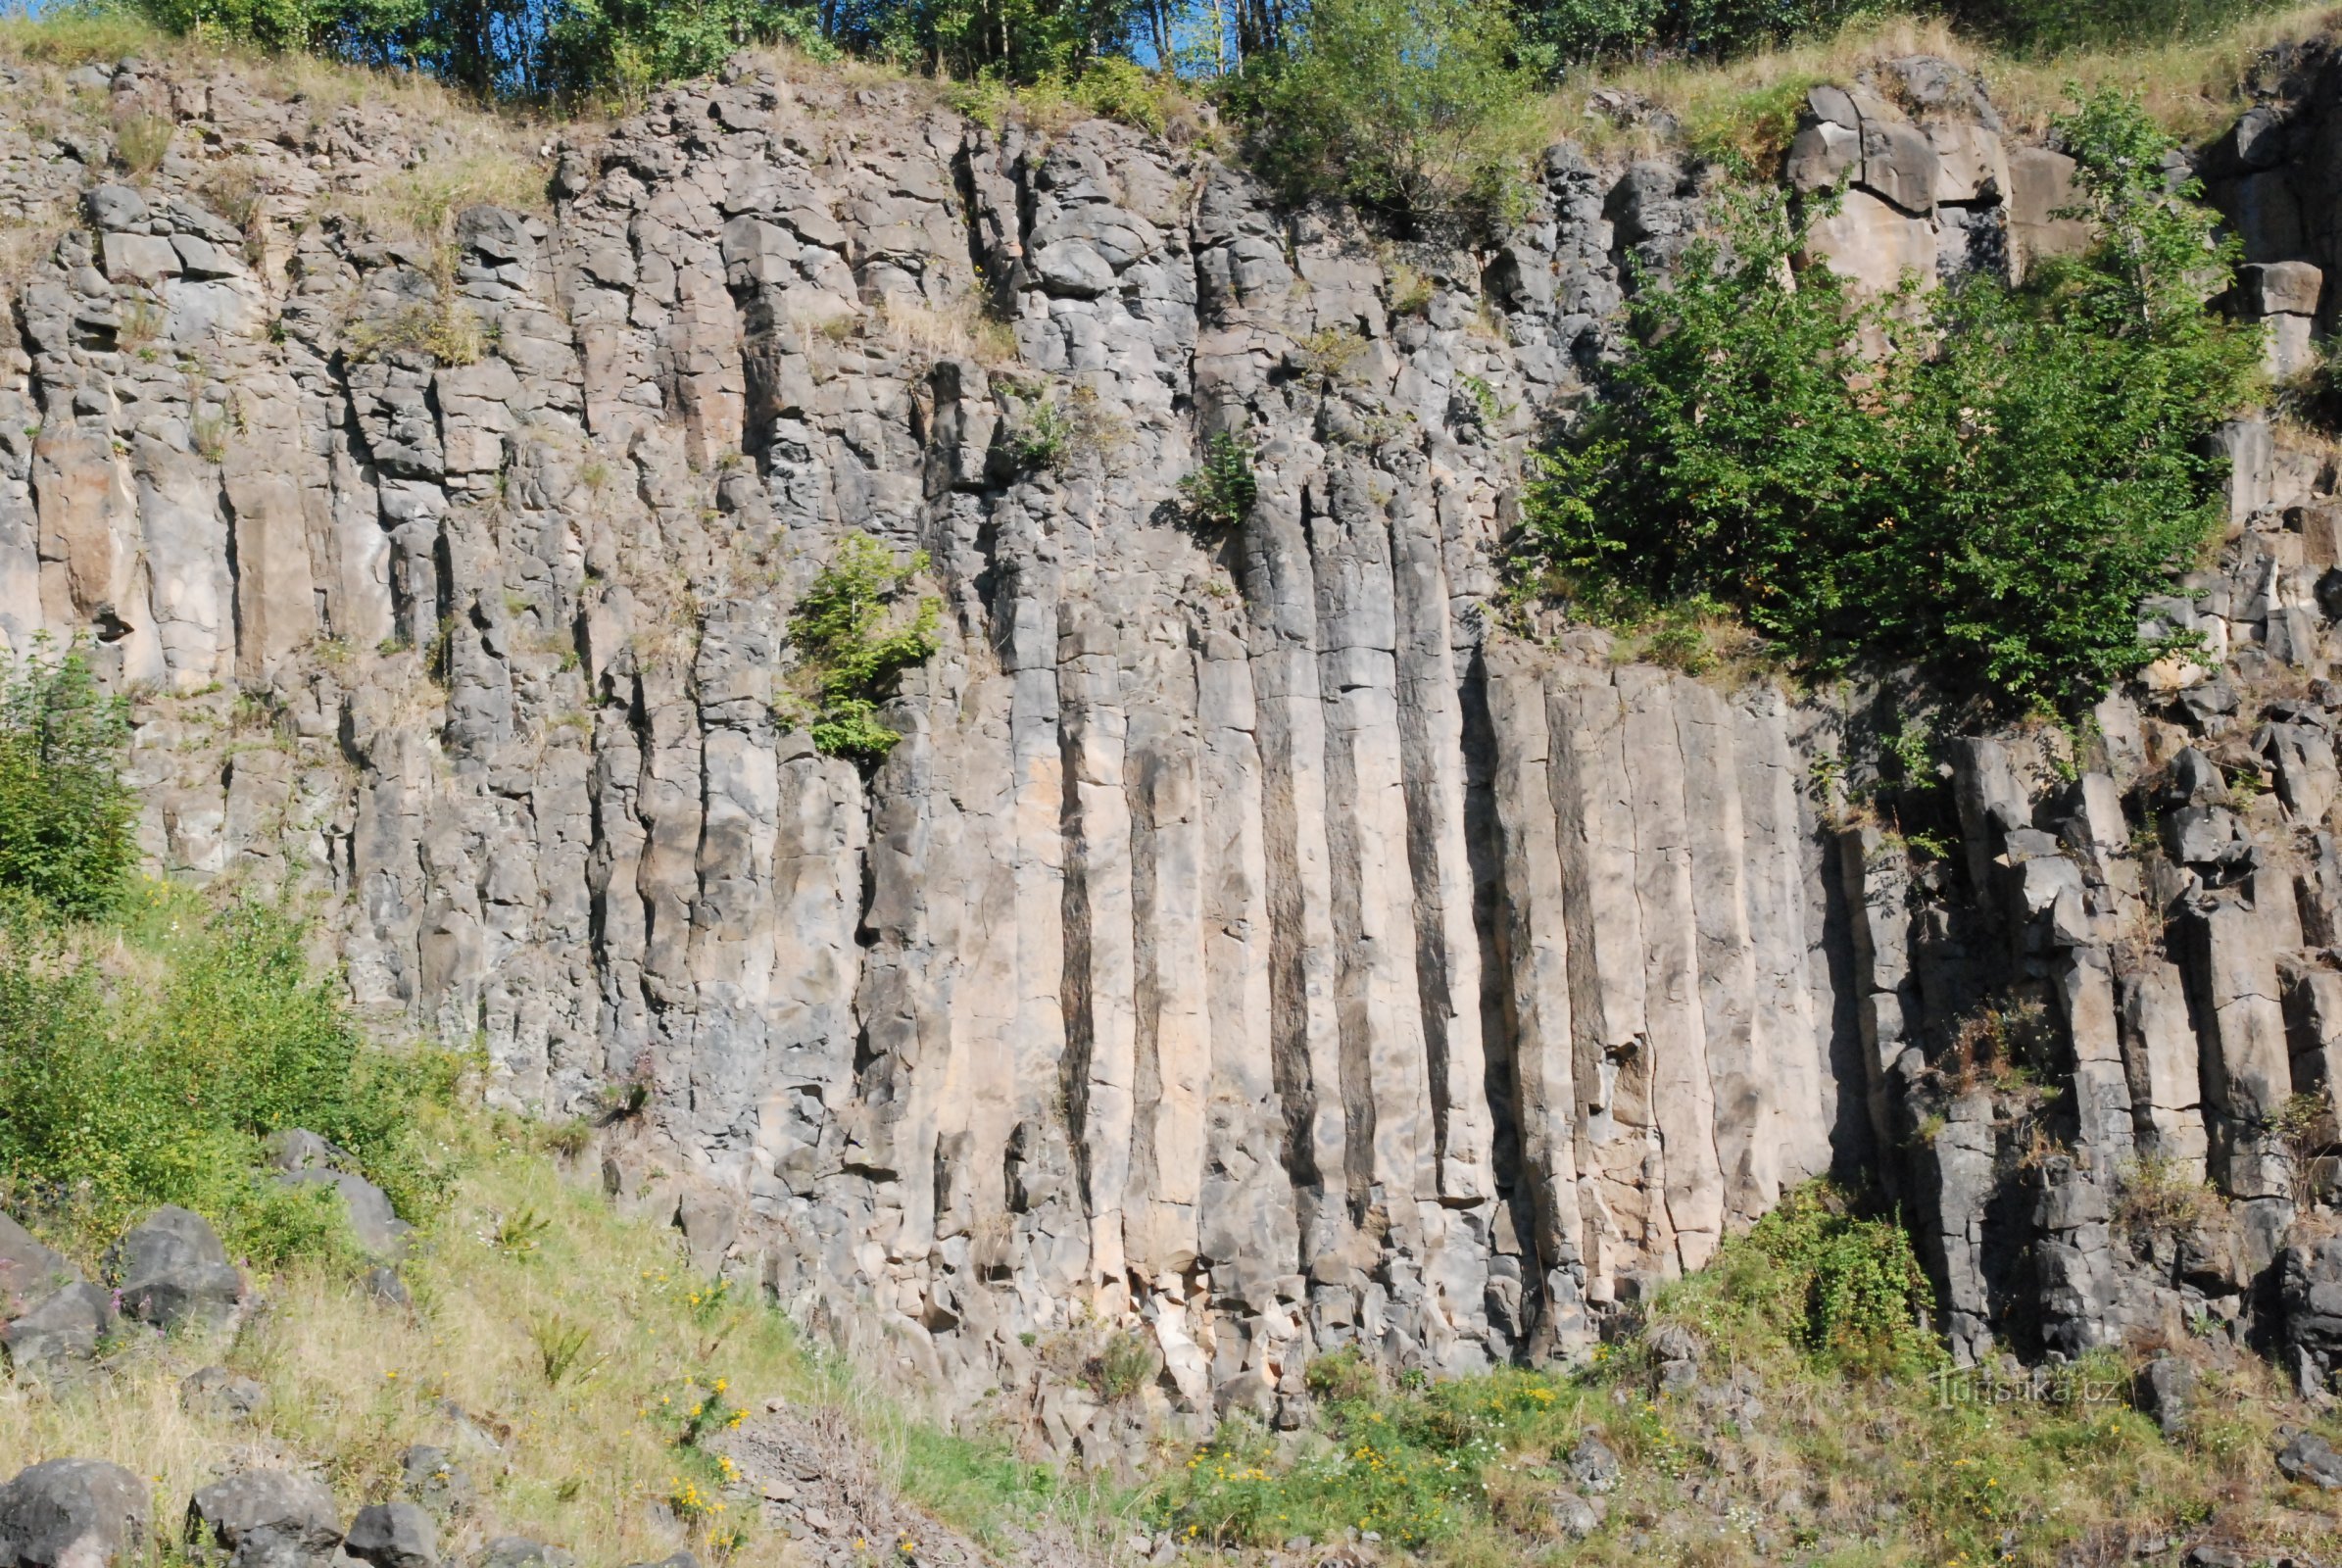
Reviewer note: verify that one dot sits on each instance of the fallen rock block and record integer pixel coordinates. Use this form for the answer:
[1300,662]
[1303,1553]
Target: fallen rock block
[171,1270]
[266,1519]
[72,1513]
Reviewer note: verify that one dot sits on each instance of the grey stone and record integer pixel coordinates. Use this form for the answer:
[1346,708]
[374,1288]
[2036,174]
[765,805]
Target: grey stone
[28,1270]
[393,1534]
[2310,1460]
[220,1393]
[266,1519]
[62,1331]
[72,1513]
[171,1270]
[1593,1465]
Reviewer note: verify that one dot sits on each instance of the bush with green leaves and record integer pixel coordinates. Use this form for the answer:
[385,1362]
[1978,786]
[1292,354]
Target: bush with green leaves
[1987,496]
[1221,491]
[66,818]
[1414,108]
[853,648]
[143,1065]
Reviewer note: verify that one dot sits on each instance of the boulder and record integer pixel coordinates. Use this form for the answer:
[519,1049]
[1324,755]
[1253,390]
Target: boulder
[29,1271]
[384,1285]
[518,1552]
[59,1334]
[393,1534]
[378,1230]
[2310,1460]
[220,1394]
[172,1270]
[431,1477]
[72,1513]
[2161,1391]
[1593,1465]
[266,1519]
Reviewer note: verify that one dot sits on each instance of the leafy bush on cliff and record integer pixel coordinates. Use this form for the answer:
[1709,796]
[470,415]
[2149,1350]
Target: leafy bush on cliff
[66,816]
[1989,496]
[850,657]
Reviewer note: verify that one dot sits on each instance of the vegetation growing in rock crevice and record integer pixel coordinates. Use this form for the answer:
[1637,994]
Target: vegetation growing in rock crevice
[1989,496]
[852,653]
[1221,491]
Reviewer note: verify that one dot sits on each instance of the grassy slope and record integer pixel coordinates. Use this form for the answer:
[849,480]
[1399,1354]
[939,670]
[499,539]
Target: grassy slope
[523,1266]
[2192,87]
[1841,1462]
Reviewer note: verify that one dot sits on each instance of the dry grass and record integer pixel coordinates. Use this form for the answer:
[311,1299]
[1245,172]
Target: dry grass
[2190,86]
[959,331]
[421,203]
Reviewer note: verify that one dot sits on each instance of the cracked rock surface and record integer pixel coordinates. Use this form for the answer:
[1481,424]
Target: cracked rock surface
[1251,944]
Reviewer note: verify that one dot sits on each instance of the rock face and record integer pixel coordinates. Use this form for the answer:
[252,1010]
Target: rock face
[1248,940]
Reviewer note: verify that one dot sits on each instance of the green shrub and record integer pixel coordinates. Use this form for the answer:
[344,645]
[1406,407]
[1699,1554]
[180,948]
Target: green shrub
[152,1077]
[850,657]
[1412,108]
[1988,499]
[1221,491]
[66,816]
[1845,1290]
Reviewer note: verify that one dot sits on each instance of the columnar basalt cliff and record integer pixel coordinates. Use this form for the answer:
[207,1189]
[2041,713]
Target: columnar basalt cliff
[1247,939]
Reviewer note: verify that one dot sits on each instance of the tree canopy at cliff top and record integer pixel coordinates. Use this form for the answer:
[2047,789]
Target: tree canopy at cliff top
[551,50]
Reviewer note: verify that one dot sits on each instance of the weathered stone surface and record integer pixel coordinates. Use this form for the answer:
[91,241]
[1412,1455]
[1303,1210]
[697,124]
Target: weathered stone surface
[393,1534]
[72,1513]
[266,1519]
[1255,942]
[170,1269]
[56,1333]
[28,1270]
